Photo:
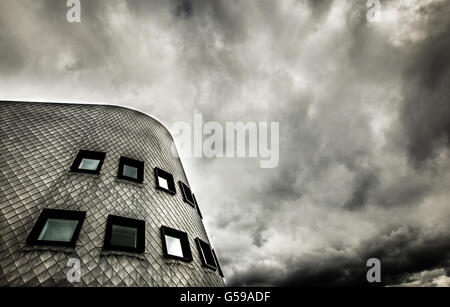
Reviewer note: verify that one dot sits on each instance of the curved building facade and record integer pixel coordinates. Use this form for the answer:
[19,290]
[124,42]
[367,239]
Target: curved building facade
[91,195]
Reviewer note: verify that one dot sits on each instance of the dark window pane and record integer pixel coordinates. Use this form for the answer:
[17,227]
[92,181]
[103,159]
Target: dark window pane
[217,263]
[124,236]
[206,254]
[206,251]
[187,194]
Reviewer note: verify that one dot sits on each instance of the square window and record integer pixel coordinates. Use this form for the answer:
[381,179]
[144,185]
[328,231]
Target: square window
[57,227]
[187,194]
[218,264]
[124,234]
[175,244]
[196,205]
[164,181]
[88,162]
[130,169]
[206,254]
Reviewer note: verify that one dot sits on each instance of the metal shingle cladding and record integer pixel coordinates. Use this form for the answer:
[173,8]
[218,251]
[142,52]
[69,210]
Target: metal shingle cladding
[39,142]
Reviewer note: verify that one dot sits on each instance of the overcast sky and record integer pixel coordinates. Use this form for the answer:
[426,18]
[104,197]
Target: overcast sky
[364,113]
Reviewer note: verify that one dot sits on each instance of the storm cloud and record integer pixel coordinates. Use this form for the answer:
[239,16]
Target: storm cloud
[363,107]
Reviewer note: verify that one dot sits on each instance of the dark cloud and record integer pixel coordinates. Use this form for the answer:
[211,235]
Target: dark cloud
[183,8]
[363,184]
[406,191]
[320,8]
[429,278]
[400,251]
[11,49]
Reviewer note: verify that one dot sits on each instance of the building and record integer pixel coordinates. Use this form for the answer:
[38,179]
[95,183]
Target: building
[91,195]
